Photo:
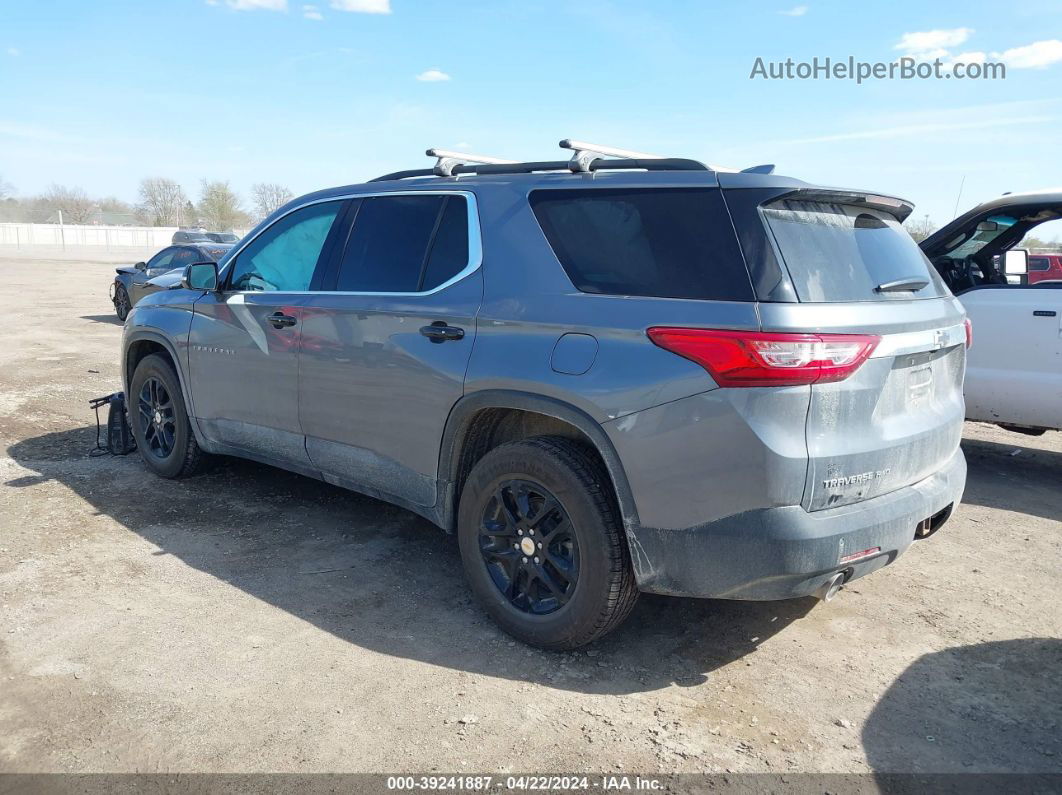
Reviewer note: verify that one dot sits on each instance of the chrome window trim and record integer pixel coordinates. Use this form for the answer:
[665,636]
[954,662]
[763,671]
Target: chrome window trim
[475,243]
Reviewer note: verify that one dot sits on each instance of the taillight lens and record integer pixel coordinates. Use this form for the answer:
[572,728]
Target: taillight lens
[969,333]
[759,358]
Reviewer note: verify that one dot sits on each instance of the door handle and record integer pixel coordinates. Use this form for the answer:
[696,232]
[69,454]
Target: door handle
[280,320]
[440,332]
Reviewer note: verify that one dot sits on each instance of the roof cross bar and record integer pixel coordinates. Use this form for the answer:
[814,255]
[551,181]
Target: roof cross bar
[449,159]
[586,153]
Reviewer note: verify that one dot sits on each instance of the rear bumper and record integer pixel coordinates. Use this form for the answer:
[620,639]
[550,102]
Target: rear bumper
[782,553]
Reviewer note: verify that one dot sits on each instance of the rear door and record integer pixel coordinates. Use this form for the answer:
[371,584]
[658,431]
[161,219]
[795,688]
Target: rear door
[385,346]
[243,343]
[898,418]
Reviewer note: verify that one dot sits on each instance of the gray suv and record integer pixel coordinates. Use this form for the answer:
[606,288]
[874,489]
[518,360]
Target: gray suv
[605,375]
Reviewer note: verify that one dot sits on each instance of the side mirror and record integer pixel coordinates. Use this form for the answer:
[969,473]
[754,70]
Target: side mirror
[1016,262]
[200,276]
[988,226]
[141,266]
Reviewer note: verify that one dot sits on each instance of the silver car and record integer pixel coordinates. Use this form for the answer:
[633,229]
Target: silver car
[605,375]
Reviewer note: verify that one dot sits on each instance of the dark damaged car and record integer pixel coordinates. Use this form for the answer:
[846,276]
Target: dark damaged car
[161,272]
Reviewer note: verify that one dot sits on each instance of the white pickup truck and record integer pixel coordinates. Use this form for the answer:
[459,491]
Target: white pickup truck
[1014,369]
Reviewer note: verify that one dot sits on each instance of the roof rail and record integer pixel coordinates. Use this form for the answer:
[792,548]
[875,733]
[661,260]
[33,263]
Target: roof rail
[599,164]
[586,158]
[448,159]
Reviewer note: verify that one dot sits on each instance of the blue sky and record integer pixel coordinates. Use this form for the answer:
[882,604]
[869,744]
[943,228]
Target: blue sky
[100,94]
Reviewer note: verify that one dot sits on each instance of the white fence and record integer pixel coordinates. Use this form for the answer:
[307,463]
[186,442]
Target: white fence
[73,235]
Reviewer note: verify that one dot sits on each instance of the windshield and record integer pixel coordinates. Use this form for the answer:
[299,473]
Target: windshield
[985,232]
[844,252]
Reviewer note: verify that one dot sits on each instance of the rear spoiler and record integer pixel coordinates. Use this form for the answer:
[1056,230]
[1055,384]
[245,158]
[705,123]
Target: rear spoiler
[900,208]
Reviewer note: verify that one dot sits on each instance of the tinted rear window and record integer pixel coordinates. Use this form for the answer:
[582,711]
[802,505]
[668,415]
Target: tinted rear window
[842,252]
[666,243]
[405,244]
[386,249]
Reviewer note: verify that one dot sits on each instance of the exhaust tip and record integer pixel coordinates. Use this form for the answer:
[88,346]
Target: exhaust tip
[830,587]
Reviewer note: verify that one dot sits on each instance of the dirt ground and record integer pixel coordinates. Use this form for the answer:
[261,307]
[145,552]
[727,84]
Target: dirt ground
[253,620]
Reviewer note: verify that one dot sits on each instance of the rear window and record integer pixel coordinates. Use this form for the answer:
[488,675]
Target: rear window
[665,243]
[214,253]
[1038,264]
[405,244]
[842,252]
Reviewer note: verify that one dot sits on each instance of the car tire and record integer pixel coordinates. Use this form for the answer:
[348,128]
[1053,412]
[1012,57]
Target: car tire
[572,581]
[160,421]
[121,303]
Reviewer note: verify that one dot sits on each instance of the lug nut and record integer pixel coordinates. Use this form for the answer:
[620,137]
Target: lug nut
[516,546]
[530,532]
[519,532]
[525,560]
[540,545]
[537,560]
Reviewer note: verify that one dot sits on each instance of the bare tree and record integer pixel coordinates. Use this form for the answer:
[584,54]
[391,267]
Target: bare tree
[920,230]
[76,206]
[160,201]
[219,206]
[6,189]
[269,196]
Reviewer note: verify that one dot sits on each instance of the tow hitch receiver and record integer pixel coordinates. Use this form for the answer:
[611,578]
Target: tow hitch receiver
[927,527]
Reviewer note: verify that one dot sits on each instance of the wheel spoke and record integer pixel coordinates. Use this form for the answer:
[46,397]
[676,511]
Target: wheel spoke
[495,529]
[544,577]
[502,495]
[552,524]
[523,504]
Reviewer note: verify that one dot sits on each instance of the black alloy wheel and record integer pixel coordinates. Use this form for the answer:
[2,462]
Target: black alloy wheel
[157,417]
[121,303]
[529,547]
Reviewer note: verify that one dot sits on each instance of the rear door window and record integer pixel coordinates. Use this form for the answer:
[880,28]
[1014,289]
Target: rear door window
[843,252]
[657,242]
[405,244]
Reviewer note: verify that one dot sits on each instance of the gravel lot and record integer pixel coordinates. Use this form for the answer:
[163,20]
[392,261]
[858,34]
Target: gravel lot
[254,620]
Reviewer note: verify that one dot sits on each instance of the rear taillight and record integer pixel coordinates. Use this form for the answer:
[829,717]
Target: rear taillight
[969,333]
[760,358]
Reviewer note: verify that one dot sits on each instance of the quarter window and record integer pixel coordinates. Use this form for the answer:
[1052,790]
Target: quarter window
[667,243]
[283,258]
[405,244]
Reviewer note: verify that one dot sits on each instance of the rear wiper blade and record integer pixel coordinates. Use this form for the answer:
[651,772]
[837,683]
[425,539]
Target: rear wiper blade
[902,286]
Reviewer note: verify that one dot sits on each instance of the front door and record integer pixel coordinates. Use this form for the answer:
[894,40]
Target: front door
[243,344]
[385,348]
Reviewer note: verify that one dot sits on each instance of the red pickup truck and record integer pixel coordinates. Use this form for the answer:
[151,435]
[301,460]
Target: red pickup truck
[1044,267]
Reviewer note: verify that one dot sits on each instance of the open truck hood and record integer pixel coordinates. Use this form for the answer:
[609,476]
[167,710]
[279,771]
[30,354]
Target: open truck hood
[1027,209]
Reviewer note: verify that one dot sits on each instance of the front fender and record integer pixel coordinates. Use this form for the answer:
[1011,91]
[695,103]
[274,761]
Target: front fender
[165,323]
